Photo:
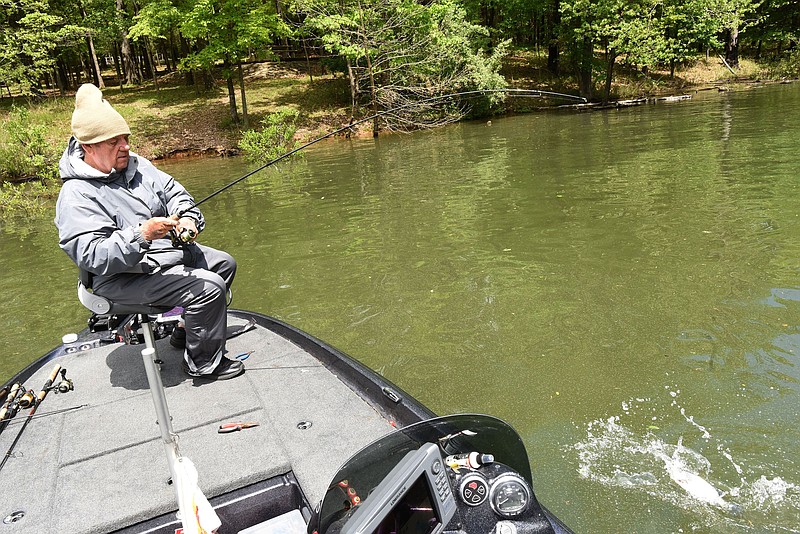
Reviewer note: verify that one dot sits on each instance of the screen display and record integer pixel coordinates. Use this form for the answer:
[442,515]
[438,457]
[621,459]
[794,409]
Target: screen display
[414,513]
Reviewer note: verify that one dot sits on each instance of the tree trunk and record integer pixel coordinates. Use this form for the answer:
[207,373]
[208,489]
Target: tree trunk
[61,77]
[189,79]
[151,61]
[231,93]
[732,47]
[117,62]
[353,90]
[141,65]
[373,96]
[98,78]
[585,70]
[128,63]
[95,64]
[208,81]
[279,13]
[553,22]
[308,62]
[611,58]
[372,89]
[245,121]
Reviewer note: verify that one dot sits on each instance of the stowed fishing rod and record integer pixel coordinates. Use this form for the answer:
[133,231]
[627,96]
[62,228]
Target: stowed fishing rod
[30,399]
[527,93]
[11,404]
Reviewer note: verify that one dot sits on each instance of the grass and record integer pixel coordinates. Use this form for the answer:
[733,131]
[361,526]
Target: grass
[174,118]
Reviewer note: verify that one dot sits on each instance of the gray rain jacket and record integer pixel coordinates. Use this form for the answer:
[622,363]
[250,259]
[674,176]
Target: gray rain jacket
[98,215]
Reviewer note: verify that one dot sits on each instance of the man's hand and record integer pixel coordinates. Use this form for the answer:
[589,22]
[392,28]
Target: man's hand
[157,227]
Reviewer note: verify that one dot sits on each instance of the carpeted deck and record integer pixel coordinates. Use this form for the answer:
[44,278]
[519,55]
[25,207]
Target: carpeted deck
[102,466]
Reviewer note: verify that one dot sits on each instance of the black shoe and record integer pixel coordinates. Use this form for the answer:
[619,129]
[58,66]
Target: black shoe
[178,338]
[225,370]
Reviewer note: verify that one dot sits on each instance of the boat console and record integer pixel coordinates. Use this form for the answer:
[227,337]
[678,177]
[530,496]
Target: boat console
[427,492]
[415,497]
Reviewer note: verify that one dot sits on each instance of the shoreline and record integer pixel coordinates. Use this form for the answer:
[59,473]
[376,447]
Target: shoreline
[223,150]
[173,121]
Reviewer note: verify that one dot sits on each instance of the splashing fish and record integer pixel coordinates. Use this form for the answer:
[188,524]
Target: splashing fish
[695,485]
[698,487]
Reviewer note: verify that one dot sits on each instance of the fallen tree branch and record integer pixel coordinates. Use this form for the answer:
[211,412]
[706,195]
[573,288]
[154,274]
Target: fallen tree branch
[726,64]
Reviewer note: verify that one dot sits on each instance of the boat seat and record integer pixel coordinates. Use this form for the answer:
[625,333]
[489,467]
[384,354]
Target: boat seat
[102,306]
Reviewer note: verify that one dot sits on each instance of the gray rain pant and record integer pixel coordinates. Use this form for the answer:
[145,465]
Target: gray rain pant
[199,284]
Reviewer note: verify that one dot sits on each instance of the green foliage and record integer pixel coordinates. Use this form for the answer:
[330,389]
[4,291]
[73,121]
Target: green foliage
[29,35]
[788,67]
[24,151]
[29,199]
[155,20]
[275,138]
[402,51]
[227,30]
[647,33]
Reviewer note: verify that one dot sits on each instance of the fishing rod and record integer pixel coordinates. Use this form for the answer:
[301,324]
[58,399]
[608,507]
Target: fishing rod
[530,93]
[11,405]
[36,402]
[10,396]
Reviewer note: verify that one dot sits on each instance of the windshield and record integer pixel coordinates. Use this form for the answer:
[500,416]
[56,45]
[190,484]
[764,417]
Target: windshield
[455,434]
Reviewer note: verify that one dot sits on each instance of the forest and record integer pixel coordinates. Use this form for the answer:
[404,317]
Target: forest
[390,50]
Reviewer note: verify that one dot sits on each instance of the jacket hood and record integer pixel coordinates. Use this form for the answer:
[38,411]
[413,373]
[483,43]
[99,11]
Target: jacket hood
[73,167]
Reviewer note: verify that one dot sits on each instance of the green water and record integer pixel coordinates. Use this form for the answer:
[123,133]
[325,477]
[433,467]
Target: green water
[612,283]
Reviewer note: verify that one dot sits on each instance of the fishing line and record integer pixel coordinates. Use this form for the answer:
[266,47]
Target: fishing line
[530,93]
[47,414]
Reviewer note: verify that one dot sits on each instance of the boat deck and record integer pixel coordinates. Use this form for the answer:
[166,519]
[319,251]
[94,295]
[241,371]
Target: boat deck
[102,467]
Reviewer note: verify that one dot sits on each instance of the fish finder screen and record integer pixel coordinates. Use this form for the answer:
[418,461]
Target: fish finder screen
[414,513]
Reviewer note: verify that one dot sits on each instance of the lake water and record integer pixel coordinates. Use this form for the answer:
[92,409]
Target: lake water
[622,286]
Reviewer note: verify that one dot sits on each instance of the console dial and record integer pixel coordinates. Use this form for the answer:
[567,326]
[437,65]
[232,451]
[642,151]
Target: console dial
[510,495]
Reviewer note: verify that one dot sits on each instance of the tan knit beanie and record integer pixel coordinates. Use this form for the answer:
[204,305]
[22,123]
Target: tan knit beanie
[94,119]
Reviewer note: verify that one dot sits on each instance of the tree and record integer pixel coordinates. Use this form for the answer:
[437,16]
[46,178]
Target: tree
[228,31]
[611,24]
[645,32]
[399,52]
[525,22]
[155,21]
[132,75]
[29,37]
[778,22]
[733,16]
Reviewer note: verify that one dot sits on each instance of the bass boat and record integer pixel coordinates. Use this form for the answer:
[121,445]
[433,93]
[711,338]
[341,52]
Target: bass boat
[307,441]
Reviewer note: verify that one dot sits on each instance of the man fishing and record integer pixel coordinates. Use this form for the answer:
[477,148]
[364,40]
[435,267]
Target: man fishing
[114,214]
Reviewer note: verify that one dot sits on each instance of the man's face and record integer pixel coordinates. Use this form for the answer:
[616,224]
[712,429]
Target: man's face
[109,154]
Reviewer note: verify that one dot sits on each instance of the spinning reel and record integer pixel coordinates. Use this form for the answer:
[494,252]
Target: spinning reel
[182,238]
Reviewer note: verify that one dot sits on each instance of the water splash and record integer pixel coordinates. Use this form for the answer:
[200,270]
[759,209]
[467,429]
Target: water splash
[692,482]
[628,456]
